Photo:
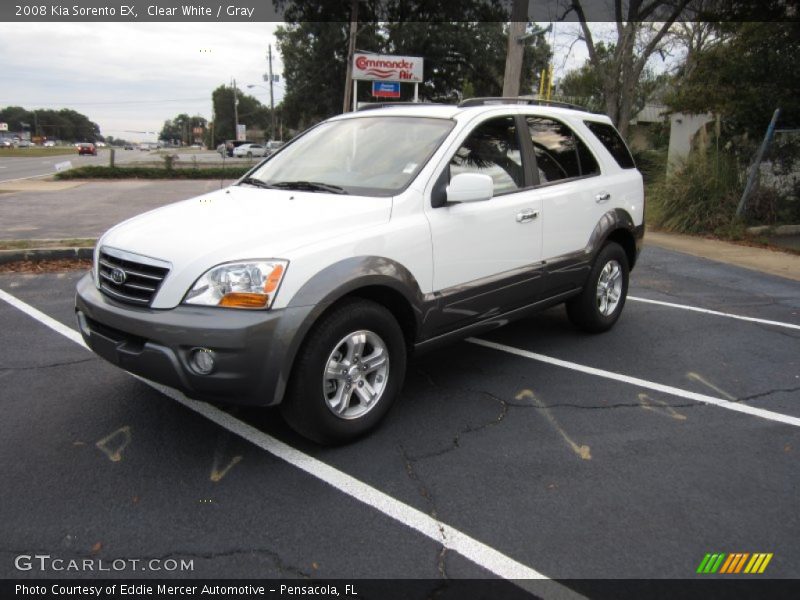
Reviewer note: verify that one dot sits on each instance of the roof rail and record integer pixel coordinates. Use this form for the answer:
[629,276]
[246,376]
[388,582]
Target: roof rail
[374,105]
[519,100]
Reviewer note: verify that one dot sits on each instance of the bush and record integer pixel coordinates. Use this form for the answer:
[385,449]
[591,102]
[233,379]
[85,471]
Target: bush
[699,196]
[651,163]
[98,172]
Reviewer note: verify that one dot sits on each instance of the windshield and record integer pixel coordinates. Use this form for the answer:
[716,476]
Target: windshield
[375,156]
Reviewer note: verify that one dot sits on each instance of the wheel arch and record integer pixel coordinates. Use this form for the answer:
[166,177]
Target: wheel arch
[617,226]
[626,239]
[378,279]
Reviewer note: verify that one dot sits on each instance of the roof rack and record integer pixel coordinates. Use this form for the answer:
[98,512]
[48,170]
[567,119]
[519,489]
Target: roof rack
[374,105]
[519,100]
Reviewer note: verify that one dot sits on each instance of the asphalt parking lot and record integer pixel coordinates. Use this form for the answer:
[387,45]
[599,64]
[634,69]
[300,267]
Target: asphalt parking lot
[533,451]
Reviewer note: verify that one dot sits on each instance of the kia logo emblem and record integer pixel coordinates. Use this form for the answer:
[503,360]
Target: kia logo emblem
[118,276]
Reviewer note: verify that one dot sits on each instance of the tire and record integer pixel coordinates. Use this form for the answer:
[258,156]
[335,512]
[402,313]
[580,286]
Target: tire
[600,303]
[331,383]
[249,155]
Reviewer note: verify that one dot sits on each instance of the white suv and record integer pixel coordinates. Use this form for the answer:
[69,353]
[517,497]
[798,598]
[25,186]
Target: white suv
[374,234]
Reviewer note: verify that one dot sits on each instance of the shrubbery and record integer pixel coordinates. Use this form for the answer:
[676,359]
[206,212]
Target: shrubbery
[699,196]
[101,172]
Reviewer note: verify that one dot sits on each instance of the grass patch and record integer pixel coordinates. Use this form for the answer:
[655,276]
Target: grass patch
[101,172]
[37,151]
[28,244]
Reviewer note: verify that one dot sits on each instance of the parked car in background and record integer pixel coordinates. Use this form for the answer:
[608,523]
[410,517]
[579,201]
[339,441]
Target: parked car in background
[24,144]
[249,150]
[86,148]
[144,147]
[128,147]
[5,144]
[273,146]
[230,145]
[49,144]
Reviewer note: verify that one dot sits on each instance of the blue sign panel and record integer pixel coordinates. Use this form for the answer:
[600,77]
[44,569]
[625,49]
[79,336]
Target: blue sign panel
[386,89]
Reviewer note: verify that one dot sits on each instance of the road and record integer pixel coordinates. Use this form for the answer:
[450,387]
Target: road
[13,169]
[533,451]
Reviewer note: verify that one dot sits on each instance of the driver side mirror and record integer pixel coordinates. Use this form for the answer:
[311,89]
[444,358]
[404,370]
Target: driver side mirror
[470,187]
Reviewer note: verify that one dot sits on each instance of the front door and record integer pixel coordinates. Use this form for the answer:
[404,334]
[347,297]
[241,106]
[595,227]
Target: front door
[487,255]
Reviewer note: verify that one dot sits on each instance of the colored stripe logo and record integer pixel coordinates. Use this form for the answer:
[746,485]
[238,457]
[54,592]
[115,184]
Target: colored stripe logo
[735,563]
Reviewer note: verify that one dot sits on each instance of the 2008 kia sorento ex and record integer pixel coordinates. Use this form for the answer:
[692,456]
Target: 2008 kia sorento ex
[309,281]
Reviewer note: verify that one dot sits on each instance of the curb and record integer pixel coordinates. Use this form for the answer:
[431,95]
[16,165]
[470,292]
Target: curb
[35,254]
[779,230]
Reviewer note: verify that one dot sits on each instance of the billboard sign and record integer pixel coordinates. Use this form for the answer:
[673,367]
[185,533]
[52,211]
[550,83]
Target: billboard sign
[382,67]
[241,132]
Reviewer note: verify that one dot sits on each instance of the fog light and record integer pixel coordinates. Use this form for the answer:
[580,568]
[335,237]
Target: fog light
[83,324]
[202,360]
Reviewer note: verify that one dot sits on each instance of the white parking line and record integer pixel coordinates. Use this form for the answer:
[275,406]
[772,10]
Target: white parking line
[453,539]
[642,383]
[24,178]
[715,312]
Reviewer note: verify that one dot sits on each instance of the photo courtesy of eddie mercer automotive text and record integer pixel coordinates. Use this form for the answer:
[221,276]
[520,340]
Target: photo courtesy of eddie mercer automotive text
[310,281]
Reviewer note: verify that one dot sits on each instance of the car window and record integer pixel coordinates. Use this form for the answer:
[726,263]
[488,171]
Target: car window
[560,154]
[492,149]
[613,142]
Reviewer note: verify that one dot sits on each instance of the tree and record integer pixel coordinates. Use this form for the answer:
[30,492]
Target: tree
[464,56]
[314,65]
[584,85]
[746,77]
[250,112]
[181,128]
[64,124]
[464,47]
[640,29]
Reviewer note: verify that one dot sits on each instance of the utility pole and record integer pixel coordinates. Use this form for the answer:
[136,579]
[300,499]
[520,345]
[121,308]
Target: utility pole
[516,31]
[235,113]
[271,98]
[351,50]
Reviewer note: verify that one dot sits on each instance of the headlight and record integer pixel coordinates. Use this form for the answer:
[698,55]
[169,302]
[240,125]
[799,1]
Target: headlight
[251,284]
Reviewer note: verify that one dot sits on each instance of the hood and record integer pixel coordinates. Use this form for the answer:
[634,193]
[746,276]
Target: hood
[242,222]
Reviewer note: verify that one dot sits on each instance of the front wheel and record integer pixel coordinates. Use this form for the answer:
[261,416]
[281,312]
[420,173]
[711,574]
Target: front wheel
[347,374]
[600,303]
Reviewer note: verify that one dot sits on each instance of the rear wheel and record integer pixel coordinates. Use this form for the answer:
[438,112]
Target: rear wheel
[600,303]
[347,374]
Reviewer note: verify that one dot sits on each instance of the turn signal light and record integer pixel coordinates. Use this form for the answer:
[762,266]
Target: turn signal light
[244,300]
[273,279]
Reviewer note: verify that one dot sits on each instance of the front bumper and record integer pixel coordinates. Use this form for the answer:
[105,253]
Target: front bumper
[253,350]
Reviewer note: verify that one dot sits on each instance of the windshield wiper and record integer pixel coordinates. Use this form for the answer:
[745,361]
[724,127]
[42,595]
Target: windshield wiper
[254,181]
[308,186]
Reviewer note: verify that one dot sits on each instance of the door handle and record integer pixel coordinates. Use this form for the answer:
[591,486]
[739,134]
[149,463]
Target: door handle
[602,197]
[527,215]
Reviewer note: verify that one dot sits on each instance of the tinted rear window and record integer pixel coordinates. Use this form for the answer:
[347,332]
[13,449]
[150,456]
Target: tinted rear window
[609,137]
[560,154]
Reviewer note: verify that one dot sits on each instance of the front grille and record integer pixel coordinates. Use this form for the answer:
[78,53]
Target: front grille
[138,285]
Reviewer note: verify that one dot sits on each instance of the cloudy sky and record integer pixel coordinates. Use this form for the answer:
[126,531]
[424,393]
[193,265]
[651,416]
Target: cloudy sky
[131,77]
